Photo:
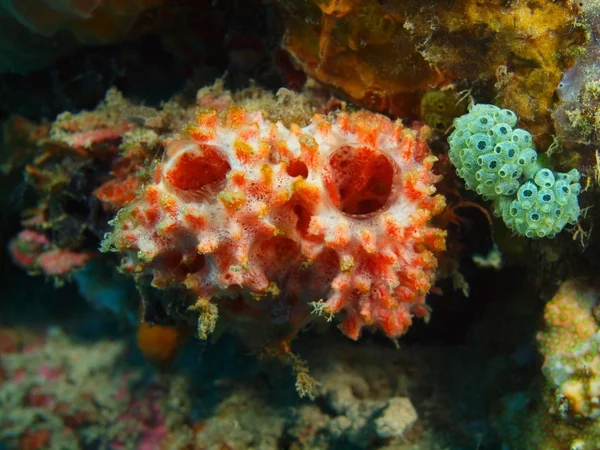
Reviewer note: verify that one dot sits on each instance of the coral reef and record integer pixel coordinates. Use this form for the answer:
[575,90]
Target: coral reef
[371,395]
[57,393]
[351,411]
[256,218]
[219,396]
[78,180]
[334,213]
[564,413]
[570,346]
[317,208]
[359,418]
[384,55]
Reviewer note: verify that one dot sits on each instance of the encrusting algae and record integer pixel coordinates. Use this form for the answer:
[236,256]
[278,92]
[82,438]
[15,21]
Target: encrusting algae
[385,55]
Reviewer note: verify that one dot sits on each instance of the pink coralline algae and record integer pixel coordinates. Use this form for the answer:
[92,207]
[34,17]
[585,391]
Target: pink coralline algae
[268,221]
[31,251]
[75,394]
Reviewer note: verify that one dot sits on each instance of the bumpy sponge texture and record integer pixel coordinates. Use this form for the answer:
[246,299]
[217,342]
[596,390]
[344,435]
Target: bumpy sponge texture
[333,213]
[499,162]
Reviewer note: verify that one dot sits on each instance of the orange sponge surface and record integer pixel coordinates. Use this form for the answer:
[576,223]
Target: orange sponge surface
[334,214]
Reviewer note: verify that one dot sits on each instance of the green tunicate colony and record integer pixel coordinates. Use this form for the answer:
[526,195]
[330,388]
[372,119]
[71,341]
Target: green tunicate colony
[499,162]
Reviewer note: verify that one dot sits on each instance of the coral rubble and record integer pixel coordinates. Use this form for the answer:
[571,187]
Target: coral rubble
[570,344]
[57,393]
[561,409]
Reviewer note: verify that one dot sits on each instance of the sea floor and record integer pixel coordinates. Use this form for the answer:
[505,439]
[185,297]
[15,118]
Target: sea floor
[72,377]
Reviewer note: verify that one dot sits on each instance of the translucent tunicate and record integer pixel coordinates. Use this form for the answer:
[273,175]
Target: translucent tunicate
[527,157]
[480,143]
[508,151]
[500,132]
[522,138]
[506,116]
[481,124]
[489,162]
[544,178]
[527,194]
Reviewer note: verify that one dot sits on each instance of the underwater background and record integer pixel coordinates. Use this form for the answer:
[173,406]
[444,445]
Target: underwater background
[299,224]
